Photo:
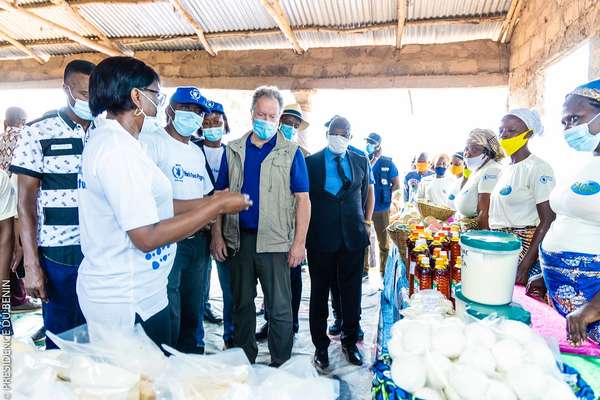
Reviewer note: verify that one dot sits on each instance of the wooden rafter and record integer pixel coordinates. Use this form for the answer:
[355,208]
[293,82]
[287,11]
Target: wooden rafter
[74,36]
[276,11]
[512,17]
[74,12]
[179,8]
[401,12]
[7,38]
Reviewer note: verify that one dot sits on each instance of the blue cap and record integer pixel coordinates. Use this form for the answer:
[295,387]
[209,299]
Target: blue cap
[374,138]
[215,107]
[190,95]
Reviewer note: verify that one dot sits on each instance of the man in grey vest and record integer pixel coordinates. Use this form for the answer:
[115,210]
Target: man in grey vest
[269,238]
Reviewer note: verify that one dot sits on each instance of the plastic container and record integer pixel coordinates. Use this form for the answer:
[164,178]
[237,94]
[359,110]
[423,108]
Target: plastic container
[489,269]
[466,307]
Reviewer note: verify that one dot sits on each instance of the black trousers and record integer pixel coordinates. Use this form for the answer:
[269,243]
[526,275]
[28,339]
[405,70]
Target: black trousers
[157,327]
[296,282]
[345,268]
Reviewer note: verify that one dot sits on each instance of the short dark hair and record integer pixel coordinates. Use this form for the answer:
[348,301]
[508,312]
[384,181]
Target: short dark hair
[113,80]
[78,66]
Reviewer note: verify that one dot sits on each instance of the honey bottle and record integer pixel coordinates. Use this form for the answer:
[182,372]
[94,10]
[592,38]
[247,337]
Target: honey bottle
[420,249]
[456,270]
[424,275]
[442,278]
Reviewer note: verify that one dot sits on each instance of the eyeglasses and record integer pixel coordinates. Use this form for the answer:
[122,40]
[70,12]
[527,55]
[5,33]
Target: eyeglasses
[160,97]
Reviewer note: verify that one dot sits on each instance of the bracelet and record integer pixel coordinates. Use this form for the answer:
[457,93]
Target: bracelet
[369,222]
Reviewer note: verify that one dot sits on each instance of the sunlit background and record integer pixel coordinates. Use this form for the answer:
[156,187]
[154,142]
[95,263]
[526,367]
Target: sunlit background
[409,120]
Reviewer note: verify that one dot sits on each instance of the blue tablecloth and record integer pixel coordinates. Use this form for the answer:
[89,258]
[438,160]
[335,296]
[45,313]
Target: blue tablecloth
[394,297]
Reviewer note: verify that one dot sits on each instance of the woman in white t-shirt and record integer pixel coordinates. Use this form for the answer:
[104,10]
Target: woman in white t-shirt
[520,201]
[570,252]
[437,188]
[128,227]
[482,156]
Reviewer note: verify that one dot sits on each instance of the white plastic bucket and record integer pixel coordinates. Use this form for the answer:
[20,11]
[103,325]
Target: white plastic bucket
[488,276]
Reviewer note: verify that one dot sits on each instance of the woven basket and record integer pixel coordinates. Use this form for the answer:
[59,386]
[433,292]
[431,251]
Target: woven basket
[400,239]
[432,210]
[470,223]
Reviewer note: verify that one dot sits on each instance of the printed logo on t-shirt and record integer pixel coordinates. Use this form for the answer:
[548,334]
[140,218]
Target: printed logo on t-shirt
[506,191]
[451,197]
[489,177]
[544,179]
[179,173]
[158,256]
[587,188]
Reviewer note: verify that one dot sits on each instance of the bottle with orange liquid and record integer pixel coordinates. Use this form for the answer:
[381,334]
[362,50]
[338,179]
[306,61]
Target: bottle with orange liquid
[442,278]
[424,275]
[454,249]
[420,249]
[456,270]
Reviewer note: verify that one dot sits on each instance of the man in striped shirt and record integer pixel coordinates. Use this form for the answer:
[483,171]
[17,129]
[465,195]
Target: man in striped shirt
[46,160]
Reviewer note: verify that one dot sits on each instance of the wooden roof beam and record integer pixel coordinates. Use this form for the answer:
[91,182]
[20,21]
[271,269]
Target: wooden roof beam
[275,9]
[402,11]
[180,9]
[14,42]
[74,36]
[74,12]
[509,23]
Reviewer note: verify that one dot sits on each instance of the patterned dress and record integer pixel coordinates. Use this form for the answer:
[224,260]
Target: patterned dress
[8,143]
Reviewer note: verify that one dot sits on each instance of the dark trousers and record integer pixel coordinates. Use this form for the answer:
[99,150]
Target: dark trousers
[296,283]
[272,270]
[157,327]
[187,281]
[344,267]
[62,311]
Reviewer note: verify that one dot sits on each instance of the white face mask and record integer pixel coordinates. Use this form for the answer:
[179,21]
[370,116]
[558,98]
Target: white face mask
[473,163]
[580,138]
[337,144]
[151,122]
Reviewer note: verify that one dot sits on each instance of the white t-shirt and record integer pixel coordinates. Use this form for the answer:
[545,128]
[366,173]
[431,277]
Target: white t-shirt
[437,190]
[521,187]
[481,181]
[8,198]
[577,207]
[120,189]
[214,156]
[182,163]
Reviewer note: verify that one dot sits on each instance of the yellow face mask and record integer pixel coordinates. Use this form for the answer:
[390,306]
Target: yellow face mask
[457,170]
[514,144]
[466,173]
[421,166]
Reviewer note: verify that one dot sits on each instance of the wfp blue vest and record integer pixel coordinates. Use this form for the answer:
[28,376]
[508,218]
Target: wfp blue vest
[383,183]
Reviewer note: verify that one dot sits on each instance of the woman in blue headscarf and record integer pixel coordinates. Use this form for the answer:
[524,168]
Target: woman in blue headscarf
[570,252]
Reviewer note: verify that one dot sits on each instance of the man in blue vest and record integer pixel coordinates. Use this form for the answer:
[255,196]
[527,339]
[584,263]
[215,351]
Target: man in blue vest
[386,182]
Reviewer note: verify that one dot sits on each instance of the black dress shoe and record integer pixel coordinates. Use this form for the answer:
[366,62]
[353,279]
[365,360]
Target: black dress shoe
[335,329]
[263,332]
[321,359]
[361,334]
[197,350]
[39,335]
[209,316]
[353,354]
[229,344]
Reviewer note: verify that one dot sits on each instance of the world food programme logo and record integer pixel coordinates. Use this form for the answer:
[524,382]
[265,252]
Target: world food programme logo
[195,94]
[210,103]
[178,172]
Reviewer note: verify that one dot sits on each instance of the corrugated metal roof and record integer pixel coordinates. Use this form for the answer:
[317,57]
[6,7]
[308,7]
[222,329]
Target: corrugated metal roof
[429,34]
[347,13]
[136,20]
[167,45]
[381,37]
[425,9]
[271,41]
[230,15]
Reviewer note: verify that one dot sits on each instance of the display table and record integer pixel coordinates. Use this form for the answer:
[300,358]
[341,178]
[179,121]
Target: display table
[394,297]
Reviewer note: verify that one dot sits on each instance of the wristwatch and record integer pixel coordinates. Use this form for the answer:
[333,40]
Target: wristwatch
[369,222]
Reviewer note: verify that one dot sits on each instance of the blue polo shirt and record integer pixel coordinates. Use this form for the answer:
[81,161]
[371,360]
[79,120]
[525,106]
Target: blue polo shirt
[358,151]
[382,204]
[251,184]
[333,181]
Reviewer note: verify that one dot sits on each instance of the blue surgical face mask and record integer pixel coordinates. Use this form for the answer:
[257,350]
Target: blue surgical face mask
[81,108]
[213,134]
[187,122]
[265,130]
[288,131]
[580,138]
[440,170]
[371,148]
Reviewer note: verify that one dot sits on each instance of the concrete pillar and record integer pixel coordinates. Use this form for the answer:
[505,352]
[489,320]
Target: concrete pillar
[304,98]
